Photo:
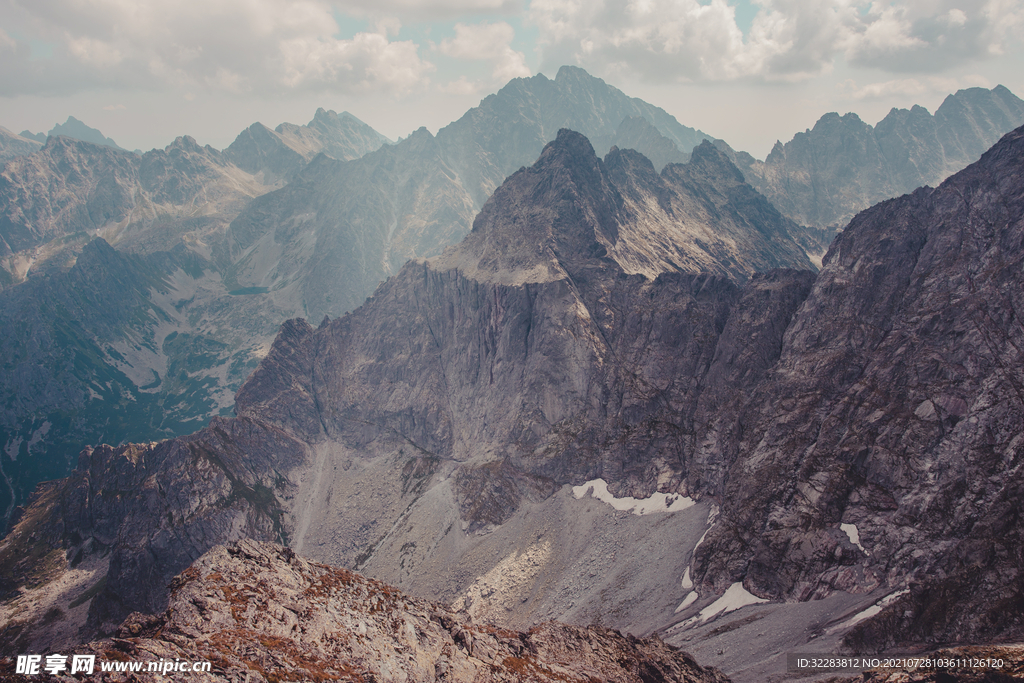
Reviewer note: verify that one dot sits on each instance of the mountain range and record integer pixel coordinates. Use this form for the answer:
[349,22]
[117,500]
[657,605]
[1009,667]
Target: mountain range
[615,351]
[827,174]
[317,245]
[516,427]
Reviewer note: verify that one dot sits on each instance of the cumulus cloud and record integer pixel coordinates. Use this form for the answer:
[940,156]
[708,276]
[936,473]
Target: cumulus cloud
[240,46]
[688,40]
[430,9]
[490,43]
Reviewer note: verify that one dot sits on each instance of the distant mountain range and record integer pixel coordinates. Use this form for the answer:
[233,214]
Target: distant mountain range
[826,175]
[75,129]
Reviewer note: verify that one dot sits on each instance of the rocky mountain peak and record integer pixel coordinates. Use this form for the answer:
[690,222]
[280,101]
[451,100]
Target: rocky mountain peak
[561,209]
[568,74]
[826,174]
[707,159]
[73,128]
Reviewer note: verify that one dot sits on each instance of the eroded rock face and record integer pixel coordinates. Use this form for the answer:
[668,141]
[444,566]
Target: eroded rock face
[895,408]
[259,612]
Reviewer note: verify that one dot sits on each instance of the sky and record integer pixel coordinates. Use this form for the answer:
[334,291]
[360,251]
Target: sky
[748,71]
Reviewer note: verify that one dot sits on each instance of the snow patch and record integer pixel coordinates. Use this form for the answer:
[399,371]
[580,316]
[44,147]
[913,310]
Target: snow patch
[12,447]
[687,583]
[735,597]
[657,502]
[712,517]
[690,598]
[38,435]
[854,535]
[869,612]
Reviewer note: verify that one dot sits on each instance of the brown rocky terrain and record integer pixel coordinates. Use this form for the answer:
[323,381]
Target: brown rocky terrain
[259,612]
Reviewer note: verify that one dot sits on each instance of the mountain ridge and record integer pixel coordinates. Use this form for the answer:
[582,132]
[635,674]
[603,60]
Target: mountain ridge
[811,178]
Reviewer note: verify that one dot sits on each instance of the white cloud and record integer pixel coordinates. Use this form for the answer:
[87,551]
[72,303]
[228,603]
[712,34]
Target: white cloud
[491,43]
[430,9]
[686,40]
[238,46]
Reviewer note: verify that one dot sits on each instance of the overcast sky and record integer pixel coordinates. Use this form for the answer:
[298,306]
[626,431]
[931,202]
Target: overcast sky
[750,72]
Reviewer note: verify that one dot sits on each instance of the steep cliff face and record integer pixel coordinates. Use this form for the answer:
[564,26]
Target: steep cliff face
[824,176]
[883,449]
[259,612]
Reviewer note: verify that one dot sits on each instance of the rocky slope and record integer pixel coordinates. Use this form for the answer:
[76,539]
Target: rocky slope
[826,175]
[883,447]
[12,145]
[259,612]
[71,191]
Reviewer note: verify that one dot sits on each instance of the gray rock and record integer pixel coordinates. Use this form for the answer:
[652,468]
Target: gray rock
[824,176]
[890,409]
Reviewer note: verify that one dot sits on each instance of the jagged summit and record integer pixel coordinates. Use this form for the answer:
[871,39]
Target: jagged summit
[825,175]
[560,209]
[73,128]
[571,210]
[283,152]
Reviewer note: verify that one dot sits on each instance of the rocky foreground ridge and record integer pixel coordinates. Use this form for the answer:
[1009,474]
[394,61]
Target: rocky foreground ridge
[258,612]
